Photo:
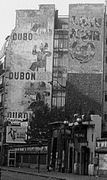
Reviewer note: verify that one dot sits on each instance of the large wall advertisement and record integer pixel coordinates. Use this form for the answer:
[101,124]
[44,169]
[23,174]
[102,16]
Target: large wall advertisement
[86,24]
[29,61]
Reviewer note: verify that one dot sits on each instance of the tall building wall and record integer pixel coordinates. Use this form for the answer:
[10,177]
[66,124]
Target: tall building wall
[29,61]
[83,93]
[86,35]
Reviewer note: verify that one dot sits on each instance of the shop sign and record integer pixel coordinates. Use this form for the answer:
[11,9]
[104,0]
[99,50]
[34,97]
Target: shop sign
[36,149]
[80,134]
[18,115]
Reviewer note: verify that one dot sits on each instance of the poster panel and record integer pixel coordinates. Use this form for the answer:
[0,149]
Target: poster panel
[16,134]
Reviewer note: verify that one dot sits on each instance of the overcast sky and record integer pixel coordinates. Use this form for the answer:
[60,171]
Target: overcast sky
[8,11]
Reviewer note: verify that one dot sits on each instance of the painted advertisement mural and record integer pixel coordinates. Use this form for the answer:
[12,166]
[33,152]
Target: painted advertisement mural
[29,61]
[86,38]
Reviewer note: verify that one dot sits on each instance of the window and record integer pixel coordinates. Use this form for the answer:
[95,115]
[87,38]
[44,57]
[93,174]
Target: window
[64,26]
[56,36]
[56,43]
[106,78]
[61,40]
[0,137]
[65,44]
[1,80]
[55,62]
[60,43]
[54,101]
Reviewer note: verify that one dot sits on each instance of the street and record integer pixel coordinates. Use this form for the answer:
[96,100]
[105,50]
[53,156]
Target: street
[25,174]
[7,175]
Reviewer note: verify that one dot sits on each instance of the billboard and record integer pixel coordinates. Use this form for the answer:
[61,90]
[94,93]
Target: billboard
[29,61]
[16,134]
[86,29]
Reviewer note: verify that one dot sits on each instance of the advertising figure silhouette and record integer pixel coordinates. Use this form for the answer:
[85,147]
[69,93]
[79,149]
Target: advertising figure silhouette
[41,56]
[12,133]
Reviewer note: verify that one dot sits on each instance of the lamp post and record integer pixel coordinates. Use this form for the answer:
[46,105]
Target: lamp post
[64,148]
[40,144]
[39,161]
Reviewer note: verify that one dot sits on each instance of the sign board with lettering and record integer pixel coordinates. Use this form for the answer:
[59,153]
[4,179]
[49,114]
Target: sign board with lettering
[16,134]
[31,148]
[29,60]
[86,37]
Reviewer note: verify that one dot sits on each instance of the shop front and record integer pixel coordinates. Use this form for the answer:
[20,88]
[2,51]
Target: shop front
[69,151]
[101,155]
[28,156]
[79,152]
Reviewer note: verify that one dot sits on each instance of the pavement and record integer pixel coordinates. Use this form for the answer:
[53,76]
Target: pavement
[52,174]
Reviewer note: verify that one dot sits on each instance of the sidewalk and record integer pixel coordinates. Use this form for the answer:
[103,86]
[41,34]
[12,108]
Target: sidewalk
[52,175]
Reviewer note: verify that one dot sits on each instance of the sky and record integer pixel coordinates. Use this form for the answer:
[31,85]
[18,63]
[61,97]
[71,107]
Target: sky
[8,11]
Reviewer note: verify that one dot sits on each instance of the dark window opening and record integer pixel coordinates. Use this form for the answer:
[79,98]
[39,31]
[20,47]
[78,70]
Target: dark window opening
[106,59]
[106,97]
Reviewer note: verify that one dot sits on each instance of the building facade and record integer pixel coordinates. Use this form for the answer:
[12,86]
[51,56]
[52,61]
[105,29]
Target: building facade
[28,69]
[58,60]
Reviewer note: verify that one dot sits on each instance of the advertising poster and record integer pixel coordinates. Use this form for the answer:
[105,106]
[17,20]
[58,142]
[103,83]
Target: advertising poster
[16,134]
[103,161]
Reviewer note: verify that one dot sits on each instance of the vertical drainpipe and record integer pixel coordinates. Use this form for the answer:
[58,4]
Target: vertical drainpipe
[52,63]
[104,60]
